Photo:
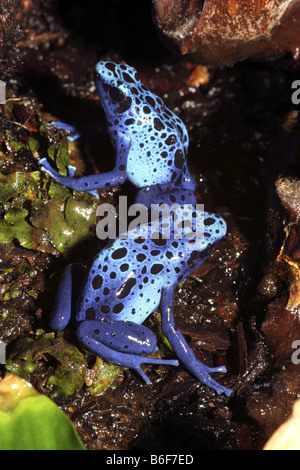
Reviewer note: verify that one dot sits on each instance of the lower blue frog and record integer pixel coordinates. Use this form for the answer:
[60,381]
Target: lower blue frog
[127,281]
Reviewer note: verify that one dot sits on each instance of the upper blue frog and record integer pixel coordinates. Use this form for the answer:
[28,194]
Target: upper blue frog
[151,142]
[159,139]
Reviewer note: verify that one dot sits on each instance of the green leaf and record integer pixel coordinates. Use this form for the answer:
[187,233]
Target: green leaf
[63,158]
[31,421]
[60,154]
[14,225]
[49,215]
[19,185]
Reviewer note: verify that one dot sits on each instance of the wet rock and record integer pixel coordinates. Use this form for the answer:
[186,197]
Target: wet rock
[279,288]
[283,215]
[227,31]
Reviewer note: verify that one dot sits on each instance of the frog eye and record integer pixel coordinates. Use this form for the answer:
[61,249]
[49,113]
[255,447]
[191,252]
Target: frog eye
[116,95]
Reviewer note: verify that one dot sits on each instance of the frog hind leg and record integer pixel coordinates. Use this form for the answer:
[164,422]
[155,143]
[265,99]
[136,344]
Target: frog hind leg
[121,343]
[66,300]
[181,348]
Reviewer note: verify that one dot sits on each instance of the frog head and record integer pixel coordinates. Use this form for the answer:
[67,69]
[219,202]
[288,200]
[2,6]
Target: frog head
[114,83]
[128,105]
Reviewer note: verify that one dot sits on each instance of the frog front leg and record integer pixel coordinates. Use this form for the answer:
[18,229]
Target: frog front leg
[95,182]
[122,343]
[66,299]
[89,131]
[181,348]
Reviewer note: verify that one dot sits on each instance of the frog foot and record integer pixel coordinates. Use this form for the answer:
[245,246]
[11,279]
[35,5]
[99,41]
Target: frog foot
[74,130]
[68,181]
[202,372]
[149,360]
[45,166]
[71,171]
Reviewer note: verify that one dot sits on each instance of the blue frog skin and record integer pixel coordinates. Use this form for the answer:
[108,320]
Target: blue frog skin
[126,282]
[130,278]
[151,142]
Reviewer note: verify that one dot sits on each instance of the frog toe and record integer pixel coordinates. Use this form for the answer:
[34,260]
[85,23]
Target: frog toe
[45,166]
[202,373]
[151,360]
[71,171]
[221,369]
[140,371]
[67,127]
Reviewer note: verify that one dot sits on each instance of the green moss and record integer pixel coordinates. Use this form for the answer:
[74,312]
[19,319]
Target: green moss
[11,144]
[26,216]
[14,225]
[23,186]
[69,371]
[101,376]
[67,223]
[38,212]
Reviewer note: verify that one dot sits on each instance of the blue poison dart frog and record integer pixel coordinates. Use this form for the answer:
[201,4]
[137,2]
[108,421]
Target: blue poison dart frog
[132,277]
[150,141]
[127,281]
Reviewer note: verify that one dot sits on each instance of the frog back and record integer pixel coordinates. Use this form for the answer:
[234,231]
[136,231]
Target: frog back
[122,283]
